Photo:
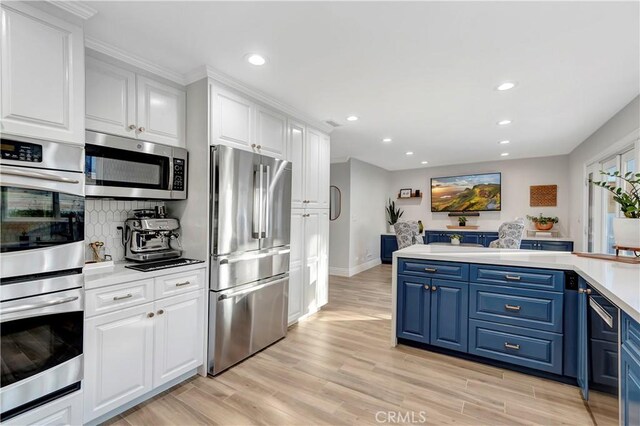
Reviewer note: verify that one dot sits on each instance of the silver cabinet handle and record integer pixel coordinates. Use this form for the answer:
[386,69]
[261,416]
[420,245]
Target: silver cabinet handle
[183,284]
[253,145]
[126,296]
[161,311]
[602,313]
[431,269]
[512,307]
[434,288]
[512,277]
[132,126]
[427,287]
[39,305]
[150,315]
[511,346]
[141,129]
[38,175]
[584,290]
[259,146]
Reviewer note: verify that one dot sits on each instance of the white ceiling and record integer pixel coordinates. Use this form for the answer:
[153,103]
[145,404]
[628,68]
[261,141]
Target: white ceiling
[421,73]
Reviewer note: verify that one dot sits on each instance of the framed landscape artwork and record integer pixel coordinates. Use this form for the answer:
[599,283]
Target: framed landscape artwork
[467,193]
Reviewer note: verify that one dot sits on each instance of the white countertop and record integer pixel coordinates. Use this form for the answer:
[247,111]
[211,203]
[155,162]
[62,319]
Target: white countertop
[456,231]
[119,274]
[618,282]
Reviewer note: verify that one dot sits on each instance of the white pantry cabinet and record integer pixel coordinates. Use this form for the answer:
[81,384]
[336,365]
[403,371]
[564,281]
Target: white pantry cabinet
[121,102]
[42,75]
[135,349]
[296,279]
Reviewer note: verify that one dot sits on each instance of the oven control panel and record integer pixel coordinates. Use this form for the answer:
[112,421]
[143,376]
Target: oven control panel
[21,151]
[178,174]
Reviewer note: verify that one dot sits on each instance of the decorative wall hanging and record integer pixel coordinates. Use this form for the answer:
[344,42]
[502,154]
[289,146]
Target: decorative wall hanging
[543,195]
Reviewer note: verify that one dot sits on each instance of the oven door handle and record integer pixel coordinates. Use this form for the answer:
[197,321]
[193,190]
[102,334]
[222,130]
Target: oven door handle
[54,302]
[602,313]
[38,175]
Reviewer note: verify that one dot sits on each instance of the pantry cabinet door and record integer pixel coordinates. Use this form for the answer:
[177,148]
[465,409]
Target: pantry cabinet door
[323,258]
[179,336]
[324,169]
[312,166]
[295,154]
[271,130]
[161,112]
[296,275]
[118,353]
[311,260]
[232,119]
[42,70]
[110,99]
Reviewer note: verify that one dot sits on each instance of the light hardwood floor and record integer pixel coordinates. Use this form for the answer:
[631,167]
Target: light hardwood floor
[337,368]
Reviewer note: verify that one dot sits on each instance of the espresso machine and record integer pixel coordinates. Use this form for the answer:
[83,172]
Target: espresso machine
[150,237]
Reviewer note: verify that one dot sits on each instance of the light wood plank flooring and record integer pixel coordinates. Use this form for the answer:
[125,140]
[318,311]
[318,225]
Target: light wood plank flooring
[337,368]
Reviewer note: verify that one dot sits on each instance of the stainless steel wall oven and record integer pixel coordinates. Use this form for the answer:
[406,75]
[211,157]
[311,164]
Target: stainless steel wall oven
[42,254]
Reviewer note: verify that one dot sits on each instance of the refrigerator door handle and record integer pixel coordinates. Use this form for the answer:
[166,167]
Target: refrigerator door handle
[258,213]
[267,201]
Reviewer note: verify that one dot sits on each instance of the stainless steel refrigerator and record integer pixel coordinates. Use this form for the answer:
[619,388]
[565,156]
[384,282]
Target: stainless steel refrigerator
[249,279]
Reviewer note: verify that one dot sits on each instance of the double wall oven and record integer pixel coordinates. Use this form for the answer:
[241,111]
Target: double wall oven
[42,246]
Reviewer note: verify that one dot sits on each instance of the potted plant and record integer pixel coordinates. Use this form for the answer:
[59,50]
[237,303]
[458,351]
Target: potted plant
[455,239]
[393,214]
[462,221]
[626,230]
[543,223]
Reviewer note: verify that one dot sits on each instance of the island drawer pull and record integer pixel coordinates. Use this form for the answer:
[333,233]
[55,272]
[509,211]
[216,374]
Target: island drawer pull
[183,284]
[512,307]
[126,296]
[431,269]
[512,277]
[511,346]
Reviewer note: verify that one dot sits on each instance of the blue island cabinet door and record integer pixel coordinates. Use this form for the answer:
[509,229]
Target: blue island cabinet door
[414,300]
[630,388]
[449,314]
[583,340]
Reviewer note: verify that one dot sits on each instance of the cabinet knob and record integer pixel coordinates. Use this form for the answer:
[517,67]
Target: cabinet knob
[132,126]
[161,311]
[259,146]
[434,288]
[584,290]
[141,129]
[253,145]
[150,315]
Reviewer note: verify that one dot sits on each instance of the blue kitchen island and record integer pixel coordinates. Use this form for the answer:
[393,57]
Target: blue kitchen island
[553,314]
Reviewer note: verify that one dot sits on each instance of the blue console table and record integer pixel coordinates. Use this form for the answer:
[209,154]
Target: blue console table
[388,243]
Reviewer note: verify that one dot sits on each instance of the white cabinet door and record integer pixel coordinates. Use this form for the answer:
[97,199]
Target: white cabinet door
[179,336]
[161,112]
[323,258]
[271,131]
[324,166]
[118,353]
[295,154]
[232,119]
[42,69]
[312,157]
[296,275]
[110,99]
[311,260]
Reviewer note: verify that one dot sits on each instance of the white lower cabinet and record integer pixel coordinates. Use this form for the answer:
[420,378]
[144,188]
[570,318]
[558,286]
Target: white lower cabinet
[64,411]
[134,350]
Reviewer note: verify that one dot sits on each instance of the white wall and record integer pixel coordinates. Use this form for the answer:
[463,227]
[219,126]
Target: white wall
[339,228]
[621,129]
[517,176]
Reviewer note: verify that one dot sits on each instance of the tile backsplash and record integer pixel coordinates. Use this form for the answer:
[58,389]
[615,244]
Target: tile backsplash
[102,218]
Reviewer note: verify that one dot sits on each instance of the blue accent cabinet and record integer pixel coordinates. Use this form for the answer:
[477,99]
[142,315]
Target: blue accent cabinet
[583,341]
[449,323]
[630,371]
[388,244]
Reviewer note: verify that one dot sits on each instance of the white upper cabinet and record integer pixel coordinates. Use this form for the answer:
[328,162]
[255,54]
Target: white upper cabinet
[121,102]
[270,132]
[42,73]
[313,169]
[161,112]
[232,119]
[295,154]
[111,99]
[324,181]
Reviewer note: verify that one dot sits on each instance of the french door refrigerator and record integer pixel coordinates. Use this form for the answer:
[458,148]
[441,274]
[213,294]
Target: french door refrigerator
[249,254]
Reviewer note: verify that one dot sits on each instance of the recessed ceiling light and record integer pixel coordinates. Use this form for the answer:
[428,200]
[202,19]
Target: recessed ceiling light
[409,153]
[504,122]
[386,140]
[506,86]
[424,162]
[504,142]
[255,59]
[352,118]
[505,154]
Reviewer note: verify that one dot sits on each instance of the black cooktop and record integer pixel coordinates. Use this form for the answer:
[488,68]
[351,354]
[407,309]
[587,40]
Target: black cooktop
[163,264]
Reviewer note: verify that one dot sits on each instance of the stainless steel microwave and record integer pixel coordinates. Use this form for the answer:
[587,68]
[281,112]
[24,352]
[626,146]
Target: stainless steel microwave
[121,167]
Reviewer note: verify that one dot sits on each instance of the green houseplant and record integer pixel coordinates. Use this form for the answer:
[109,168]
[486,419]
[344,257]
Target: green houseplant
[626,230]
[456,239]
[543,223]
[393,214]
[462,221]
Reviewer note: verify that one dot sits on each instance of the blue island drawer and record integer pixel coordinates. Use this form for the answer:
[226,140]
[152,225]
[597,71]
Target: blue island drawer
[630,334]
[541,310]
[434,269]
[538,279]
[516,345]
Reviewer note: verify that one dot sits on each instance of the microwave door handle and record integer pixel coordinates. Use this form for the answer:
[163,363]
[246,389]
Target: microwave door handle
[266,202]
[171,166]
[38,175]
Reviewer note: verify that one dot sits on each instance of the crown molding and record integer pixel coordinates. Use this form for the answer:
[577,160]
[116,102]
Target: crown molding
[213,74]
[117,53]
[76,8]
[336,160]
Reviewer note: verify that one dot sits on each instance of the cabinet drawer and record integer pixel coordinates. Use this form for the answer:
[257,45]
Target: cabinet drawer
[540,279]
[630,334]
[537,309]
[109,299]
[520,346]
[173,284]
[434,269]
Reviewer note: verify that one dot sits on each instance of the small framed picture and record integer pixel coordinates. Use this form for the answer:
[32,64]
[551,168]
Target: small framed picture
[405,193]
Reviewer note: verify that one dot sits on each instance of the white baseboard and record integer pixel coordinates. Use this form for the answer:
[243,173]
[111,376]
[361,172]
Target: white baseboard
[349,272]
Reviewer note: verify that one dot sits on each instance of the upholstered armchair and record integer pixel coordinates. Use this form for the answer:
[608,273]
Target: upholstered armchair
[408,233]
[509,235]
